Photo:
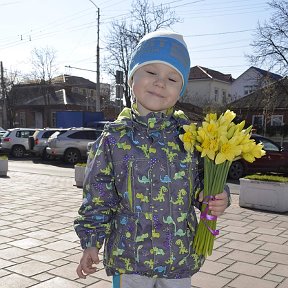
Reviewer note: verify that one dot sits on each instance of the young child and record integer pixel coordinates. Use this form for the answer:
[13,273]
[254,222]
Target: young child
[140,184]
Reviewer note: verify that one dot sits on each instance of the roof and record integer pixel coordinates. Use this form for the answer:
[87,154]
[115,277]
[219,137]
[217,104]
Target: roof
[266,73]
[34,95]
[275,94]
[73,80]
[198,72]
[193,112]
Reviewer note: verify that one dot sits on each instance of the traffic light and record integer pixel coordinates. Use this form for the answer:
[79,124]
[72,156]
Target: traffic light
[119,77]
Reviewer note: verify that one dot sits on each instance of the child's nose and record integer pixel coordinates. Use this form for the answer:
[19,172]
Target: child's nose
[160,81]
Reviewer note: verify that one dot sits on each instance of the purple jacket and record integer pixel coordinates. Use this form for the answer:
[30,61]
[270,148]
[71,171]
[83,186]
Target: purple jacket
[139,197]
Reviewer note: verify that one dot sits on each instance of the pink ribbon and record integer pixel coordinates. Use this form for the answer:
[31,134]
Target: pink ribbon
[205,216]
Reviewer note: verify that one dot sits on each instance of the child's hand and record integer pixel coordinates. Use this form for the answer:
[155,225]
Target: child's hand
[218,205]
[89,257]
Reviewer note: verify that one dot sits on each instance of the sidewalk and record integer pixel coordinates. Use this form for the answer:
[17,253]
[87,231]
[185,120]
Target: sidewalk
[39,249]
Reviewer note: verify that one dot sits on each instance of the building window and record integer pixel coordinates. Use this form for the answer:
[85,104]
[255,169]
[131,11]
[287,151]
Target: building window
[84,92]
[75,89]
[276,120]
[22,119]
[91,93]
[216,93]
[249,89]
[53,119]
[258,120]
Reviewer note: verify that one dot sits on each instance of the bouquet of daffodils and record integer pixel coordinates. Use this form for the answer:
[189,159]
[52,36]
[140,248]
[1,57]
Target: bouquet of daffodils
[220,141]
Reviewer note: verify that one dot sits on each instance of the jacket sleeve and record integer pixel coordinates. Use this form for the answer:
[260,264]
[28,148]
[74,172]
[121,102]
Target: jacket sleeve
[100,198]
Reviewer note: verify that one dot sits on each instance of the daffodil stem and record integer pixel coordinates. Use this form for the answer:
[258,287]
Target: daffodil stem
[214,181]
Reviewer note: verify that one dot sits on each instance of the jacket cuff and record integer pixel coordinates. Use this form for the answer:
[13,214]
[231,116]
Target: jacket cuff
[93,240]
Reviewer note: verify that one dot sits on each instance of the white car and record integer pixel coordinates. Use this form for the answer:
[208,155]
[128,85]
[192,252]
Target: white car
[15,141]
[72,144]
[39,142]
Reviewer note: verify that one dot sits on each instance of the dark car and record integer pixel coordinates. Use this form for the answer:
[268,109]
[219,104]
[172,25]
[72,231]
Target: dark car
[275,160]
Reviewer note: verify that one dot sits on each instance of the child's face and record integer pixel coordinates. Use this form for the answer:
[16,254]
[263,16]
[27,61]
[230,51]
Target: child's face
[156,87]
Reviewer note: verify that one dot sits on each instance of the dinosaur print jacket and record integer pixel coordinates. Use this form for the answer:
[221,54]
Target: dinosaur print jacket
[139,197]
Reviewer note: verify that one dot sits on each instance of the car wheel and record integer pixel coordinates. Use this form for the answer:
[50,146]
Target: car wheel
[236,170]
[18,151]
[72,156]
[46,156]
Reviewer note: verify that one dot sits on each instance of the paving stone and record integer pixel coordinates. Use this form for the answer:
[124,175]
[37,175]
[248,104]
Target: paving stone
[277,258]
[244,281]
[10,232]
[244,257]
[274,278]
[268,231]
[241,246]
[13,252]
[204,280]
[42,276]
[267,264]
[249,269]
[240,237]
[59,262]
[30,268]
[275,248]
[284,284]
[27,243]
[68,270]
[4,239]
[281,270]
[41,234]
[60,245]
[242,230]
[58,282]
[213,267]
[227,274]
[262,252]
[101,284]
[271,239]
[16,281]
[47,256]
[5,263]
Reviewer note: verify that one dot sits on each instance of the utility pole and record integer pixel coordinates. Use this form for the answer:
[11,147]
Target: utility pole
[98,104]
[3,92]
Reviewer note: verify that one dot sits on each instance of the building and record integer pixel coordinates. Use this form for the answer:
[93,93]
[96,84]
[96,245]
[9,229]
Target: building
[35,105]
[207,87]
[251,80]
[266,109]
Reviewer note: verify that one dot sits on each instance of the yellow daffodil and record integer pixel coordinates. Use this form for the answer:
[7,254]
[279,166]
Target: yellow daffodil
[227,150]
[220,141]
[189,137]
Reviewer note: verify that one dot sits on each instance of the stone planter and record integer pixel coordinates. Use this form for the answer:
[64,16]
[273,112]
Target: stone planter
[3,167]
[264,195]
[79,175]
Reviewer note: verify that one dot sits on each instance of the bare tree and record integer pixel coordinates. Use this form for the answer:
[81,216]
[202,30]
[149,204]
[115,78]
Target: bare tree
[43,62]
[124,35]
[270,46]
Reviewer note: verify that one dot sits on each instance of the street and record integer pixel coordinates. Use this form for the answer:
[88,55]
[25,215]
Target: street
[59,168]
[37,166]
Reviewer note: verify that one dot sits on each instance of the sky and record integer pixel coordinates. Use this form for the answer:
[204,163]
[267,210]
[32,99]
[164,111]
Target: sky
[218,33]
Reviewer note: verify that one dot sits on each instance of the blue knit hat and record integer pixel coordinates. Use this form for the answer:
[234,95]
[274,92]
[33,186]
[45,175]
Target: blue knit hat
[162,47]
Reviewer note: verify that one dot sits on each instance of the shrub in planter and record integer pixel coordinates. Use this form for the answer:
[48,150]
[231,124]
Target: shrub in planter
[79,169]
[265,192]
[3,165]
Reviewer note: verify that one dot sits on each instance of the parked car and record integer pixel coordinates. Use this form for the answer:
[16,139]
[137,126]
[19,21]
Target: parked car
[15,141]
[275,160]
[38,142]
[72,144]
[2,132]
